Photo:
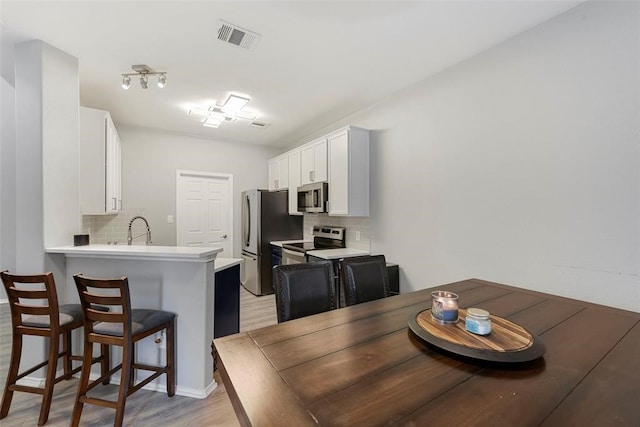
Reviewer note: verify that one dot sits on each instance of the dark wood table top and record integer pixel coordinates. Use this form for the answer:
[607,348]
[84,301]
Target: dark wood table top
[361,365]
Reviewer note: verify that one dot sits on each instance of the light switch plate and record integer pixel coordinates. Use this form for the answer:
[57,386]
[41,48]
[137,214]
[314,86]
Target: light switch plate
[169,219]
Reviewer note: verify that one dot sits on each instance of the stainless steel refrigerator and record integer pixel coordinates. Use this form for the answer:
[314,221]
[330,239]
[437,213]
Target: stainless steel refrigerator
[265,218]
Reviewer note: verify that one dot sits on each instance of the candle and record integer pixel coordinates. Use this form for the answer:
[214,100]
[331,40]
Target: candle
[444,306]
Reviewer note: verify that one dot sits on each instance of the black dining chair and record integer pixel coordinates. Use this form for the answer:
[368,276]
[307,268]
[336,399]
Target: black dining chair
[364,278]
[33,302]
[303,289]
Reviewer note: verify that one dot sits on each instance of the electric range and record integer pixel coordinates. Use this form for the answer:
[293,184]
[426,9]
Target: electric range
[324,237]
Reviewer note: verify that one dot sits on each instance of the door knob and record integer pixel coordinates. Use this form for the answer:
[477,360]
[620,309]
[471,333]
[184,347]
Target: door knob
[224,236]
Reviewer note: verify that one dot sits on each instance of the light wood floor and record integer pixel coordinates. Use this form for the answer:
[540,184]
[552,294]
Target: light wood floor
[144,408]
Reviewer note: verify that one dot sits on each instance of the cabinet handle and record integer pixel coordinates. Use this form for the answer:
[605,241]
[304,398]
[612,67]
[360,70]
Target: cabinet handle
[115,203]
[275,183]
[312,176]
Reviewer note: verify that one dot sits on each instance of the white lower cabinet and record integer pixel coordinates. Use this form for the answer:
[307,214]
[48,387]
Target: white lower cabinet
[100,163]
[348,170]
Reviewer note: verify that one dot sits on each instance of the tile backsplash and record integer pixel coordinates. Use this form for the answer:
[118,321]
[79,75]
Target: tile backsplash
[353,225]
[112,229]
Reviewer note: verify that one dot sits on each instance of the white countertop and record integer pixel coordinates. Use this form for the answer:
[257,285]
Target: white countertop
[141,252]
[282,242]
[337,253]
[224,263]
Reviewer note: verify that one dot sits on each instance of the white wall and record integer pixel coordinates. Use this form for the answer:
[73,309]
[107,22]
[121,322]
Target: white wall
[61,149]
[7,179]
[520,165]
[45,190]
[149,163]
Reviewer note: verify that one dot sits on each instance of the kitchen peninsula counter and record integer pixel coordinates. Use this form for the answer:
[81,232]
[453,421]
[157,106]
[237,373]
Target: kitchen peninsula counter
[170,278]
[178,253]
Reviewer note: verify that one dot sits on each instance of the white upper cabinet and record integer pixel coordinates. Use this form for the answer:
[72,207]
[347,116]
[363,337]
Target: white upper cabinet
[348,150]
[294,180]
[100,163]
[313,162]
[279,173]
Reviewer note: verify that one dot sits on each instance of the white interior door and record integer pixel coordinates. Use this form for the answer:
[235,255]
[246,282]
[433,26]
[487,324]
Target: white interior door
[204,207]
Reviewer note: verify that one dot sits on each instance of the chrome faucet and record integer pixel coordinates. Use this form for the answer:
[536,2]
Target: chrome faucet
[148,233]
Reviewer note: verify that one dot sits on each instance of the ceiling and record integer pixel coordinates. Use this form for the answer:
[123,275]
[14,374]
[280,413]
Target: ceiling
[316,62]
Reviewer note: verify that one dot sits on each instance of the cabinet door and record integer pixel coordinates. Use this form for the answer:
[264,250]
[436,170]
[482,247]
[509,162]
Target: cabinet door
[283,172]
[294,181]
[274,174]
[339,174]
[112,147]
[313,162]
[279,173]
[320,161]
[349,172]
[306,164]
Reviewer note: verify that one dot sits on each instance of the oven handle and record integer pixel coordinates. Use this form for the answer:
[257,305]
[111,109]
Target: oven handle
[295,256]
[293,253]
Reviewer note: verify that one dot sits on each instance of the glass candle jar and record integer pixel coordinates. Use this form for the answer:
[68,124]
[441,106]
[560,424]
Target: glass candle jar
[444,306]
[478,321]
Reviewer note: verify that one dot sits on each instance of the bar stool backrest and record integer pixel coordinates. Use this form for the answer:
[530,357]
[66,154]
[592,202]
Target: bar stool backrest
[113,293]
[33,302]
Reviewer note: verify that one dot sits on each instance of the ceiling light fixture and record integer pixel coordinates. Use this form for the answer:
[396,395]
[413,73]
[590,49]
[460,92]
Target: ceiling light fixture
[234,104]
[144,72]
[230,111]
[126,82]
[162,80]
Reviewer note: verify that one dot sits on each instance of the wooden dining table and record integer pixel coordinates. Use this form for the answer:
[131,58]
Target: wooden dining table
[363,366]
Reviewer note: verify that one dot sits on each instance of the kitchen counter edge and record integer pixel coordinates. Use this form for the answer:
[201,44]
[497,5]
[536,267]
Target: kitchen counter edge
[224,263]
[337,253]
[139,252]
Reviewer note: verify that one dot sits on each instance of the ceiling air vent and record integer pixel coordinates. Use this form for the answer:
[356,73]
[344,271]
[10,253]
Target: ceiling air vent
[258,124]
[237,36]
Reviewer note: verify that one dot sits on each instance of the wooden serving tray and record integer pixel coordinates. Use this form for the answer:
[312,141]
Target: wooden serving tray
[507,342]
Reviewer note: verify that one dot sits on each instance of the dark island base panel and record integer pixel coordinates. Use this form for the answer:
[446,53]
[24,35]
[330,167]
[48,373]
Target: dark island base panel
[227,302]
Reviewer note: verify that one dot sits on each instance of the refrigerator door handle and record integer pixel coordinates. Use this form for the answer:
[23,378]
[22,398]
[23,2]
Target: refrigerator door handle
[247,220]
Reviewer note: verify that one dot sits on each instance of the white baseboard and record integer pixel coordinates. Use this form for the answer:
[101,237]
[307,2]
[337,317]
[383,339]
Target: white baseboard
[152,386]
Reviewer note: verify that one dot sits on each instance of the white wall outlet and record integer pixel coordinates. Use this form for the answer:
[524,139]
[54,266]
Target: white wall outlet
[169,219]
[357,235]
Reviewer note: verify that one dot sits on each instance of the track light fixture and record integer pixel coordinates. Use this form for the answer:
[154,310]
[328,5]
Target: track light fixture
[144,72]
[162,80]
[126,82]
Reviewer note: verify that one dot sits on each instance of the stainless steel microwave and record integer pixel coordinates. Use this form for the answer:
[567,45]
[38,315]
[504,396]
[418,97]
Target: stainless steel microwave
[313,197]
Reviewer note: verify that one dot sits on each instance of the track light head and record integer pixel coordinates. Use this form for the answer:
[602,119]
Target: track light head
[126,82]
[162,80]
[143,81]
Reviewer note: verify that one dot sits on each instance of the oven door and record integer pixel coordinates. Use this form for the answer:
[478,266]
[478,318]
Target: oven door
[292,257]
